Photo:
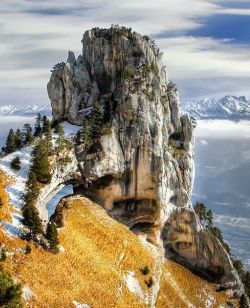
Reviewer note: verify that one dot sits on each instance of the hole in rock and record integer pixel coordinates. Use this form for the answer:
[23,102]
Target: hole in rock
[52,203]
[142,227]
[140,215]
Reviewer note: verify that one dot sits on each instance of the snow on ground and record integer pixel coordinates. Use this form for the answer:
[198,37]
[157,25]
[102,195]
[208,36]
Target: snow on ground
[27,293]
[210,301]
[61,249]
[70,130]
[16,190]
[134,286]
[79,305]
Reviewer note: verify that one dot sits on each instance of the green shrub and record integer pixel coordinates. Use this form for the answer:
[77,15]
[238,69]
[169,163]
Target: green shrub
[52,237]
[2,254]
[145,270]
[27,249]
[16,163]
[10,292]
[149,282]
[1,202]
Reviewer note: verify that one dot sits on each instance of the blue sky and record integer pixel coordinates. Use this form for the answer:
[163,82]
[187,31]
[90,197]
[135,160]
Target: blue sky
[206,43]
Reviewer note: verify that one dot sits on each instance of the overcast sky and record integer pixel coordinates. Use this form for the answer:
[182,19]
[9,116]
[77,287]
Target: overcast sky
[206,42]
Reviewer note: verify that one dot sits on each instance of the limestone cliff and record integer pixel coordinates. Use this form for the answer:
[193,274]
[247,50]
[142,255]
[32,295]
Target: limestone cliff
[140,169]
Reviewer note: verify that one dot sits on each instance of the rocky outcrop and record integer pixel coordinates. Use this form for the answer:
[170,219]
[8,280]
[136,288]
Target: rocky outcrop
[140,169]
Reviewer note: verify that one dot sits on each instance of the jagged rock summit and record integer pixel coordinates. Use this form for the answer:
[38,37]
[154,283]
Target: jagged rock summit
[134,154]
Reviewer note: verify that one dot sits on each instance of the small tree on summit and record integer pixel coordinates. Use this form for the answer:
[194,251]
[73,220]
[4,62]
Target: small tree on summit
[52,237]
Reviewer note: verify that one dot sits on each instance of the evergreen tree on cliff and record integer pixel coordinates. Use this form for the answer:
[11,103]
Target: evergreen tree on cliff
[96,121]
[30,213]
[52,237]
[86,136]
[40,162]
[61,136]
[38,128]
[48,134]
[10,143]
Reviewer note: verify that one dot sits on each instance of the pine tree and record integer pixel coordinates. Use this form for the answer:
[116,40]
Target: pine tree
[16,163]
[86,136]
[32,187]
[246,281]
[10,143]
[1,202]
[61,137]
[48,135]
[40,162]
[31,218]
[38,128]
[27,134]
[243,301]
[52,237]
[30,213]
[96,121]
[44,124]
[10,292]
[200,210]
[18,139]
[59,130]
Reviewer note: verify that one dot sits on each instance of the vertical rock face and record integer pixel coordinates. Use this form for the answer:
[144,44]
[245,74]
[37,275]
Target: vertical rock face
[140,169]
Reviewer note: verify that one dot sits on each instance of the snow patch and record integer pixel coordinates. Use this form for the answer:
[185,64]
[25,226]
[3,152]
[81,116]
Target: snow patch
[134,286]
[210,301]
[16,190]
[61,249]
[27,293]
[79,305]
[70,130]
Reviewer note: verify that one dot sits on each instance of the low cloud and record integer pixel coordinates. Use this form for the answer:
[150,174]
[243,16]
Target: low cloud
[222,129]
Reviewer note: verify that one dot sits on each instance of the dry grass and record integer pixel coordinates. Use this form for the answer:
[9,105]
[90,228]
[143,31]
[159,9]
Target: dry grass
[181,288]
[99,252]
[5,209]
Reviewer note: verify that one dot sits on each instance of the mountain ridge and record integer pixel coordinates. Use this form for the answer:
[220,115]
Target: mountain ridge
[29,110]
[228,107]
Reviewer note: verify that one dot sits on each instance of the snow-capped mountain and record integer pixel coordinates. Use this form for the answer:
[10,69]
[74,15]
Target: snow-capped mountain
[228,107]
[28,110]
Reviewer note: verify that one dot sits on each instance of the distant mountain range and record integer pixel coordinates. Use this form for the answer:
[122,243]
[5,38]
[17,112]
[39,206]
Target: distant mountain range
[227,107]
[29,110]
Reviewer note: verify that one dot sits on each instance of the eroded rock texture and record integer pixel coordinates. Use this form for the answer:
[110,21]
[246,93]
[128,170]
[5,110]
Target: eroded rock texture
[141,169]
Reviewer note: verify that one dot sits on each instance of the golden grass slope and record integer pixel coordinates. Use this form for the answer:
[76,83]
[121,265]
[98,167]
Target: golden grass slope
[98,255]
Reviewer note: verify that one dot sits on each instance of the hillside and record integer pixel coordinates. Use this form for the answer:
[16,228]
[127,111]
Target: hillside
[26,110]
[99,265]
